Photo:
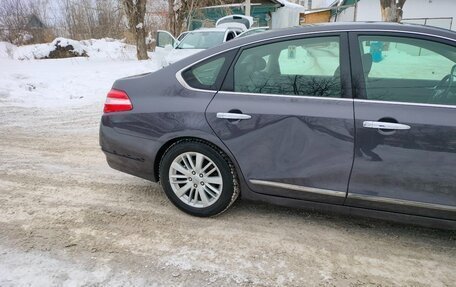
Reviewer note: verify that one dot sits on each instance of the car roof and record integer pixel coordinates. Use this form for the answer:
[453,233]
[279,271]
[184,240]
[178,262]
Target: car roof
[356,26]
[337,27]
[323,27]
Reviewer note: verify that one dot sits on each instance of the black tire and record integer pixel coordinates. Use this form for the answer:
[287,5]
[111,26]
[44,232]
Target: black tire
[230,188]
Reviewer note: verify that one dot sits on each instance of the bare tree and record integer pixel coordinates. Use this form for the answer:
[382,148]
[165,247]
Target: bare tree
[110,18]
[13,20]
[135,11]
[181,10]
[392,10]
[85,19]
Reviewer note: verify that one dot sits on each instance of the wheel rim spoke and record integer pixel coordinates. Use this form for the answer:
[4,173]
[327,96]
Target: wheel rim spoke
[190,196]
[211,171]
[214,180]
[191,183]
[180,168]
[210,192]
[183,190]
[203,196]
[190,161]
[213,189]
[199,161]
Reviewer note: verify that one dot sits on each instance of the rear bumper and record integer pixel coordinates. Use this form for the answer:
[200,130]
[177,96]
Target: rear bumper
[127,153]
[130,166]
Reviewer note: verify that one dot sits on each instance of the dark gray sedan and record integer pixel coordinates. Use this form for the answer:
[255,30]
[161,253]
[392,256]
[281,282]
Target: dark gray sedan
[355,118]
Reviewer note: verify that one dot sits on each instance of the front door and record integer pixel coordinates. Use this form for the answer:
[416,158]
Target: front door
[405,151]
[165,43]
[285,112]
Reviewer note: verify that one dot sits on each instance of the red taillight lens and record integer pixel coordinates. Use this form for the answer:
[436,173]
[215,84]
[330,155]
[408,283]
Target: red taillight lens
[117,101]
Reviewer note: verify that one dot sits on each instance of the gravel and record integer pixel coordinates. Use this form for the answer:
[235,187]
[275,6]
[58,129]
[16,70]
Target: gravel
[67,219]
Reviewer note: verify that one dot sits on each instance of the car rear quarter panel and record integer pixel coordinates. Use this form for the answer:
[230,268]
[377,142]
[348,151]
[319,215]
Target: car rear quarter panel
[163,111]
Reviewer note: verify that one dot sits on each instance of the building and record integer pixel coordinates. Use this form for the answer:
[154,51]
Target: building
[439,13]
[34,22]
[271,13]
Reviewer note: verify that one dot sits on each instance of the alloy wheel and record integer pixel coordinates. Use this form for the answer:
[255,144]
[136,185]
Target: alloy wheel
[195,179]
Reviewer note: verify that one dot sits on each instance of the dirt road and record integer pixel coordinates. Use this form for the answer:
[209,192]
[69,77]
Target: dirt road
[67,219]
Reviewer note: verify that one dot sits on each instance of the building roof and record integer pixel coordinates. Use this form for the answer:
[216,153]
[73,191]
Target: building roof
[35,22]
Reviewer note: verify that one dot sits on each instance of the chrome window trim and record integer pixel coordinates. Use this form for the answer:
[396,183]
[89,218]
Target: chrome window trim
[285,96]
[186,86]
[401,202]
[404,103]
[298,188]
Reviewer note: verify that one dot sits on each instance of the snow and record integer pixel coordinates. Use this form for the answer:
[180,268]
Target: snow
[288,4]
[403,61]
[96,48]
[71,82]
[7,50]
[41,51]
[286,16]
[109,49]
[34,268]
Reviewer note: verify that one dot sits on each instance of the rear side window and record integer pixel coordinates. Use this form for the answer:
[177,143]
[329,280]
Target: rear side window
[205,75]
[303,67]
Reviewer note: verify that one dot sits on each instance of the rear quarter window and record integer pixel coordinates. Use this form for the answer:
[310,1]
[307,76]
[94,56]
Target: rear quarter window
[208,75]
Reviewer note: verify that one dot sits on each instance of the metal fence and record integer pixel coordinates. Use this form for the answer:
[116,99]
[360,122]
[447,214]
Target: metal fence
[441,22]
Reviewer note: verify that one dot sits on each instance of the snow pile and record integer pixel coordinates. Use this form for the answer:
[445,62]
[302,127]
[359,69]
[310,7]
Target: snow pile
[63,42]
[43,51]
[109,49]
[7,50]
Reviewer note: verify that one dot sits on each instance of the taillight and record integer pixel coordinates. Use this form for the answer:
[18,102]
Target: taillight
[117,101]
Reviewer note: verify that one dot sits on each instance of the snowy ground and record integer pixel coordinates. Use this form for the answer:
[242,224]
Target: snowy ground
[67,219]
[66,83]
[63,83]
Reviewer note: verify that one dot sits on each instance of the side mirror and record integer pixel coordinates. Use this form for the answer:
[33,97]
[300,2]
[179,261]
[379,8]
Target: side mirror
[169,47]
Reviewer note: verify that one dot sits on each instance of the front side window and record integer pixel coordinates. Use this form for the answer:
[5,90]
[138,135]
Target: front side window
[411,70]
[304,67]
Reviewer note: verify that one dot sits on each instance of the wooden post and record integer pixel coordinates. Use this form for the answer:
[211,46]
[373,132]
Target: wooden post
[247,8]
[356,11]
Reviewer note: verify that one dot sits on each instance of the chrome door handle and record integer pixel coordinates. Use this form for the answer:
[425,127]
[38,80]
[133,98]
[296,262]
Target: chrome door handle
[233,116]
[385,125]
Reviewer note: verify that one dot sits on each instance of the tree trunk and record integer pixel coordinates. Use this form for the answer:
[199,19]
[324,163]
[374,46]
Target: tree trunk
[392,10]
[136,13]
[141,47]
[171,15]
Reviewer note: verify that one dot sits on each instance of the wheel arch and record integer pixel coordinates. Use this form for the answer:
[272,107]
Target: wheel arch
[215,143]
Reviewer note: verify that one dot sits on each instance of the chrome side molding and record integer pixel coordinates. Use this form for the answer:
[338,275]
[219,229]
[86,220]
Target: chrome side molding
[354,195]
[401,202]
[298,188]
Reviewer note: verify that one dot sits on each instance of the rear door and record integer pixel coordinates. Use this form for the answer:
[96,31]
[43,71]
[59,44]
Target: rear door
[286,113]
[405,151]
